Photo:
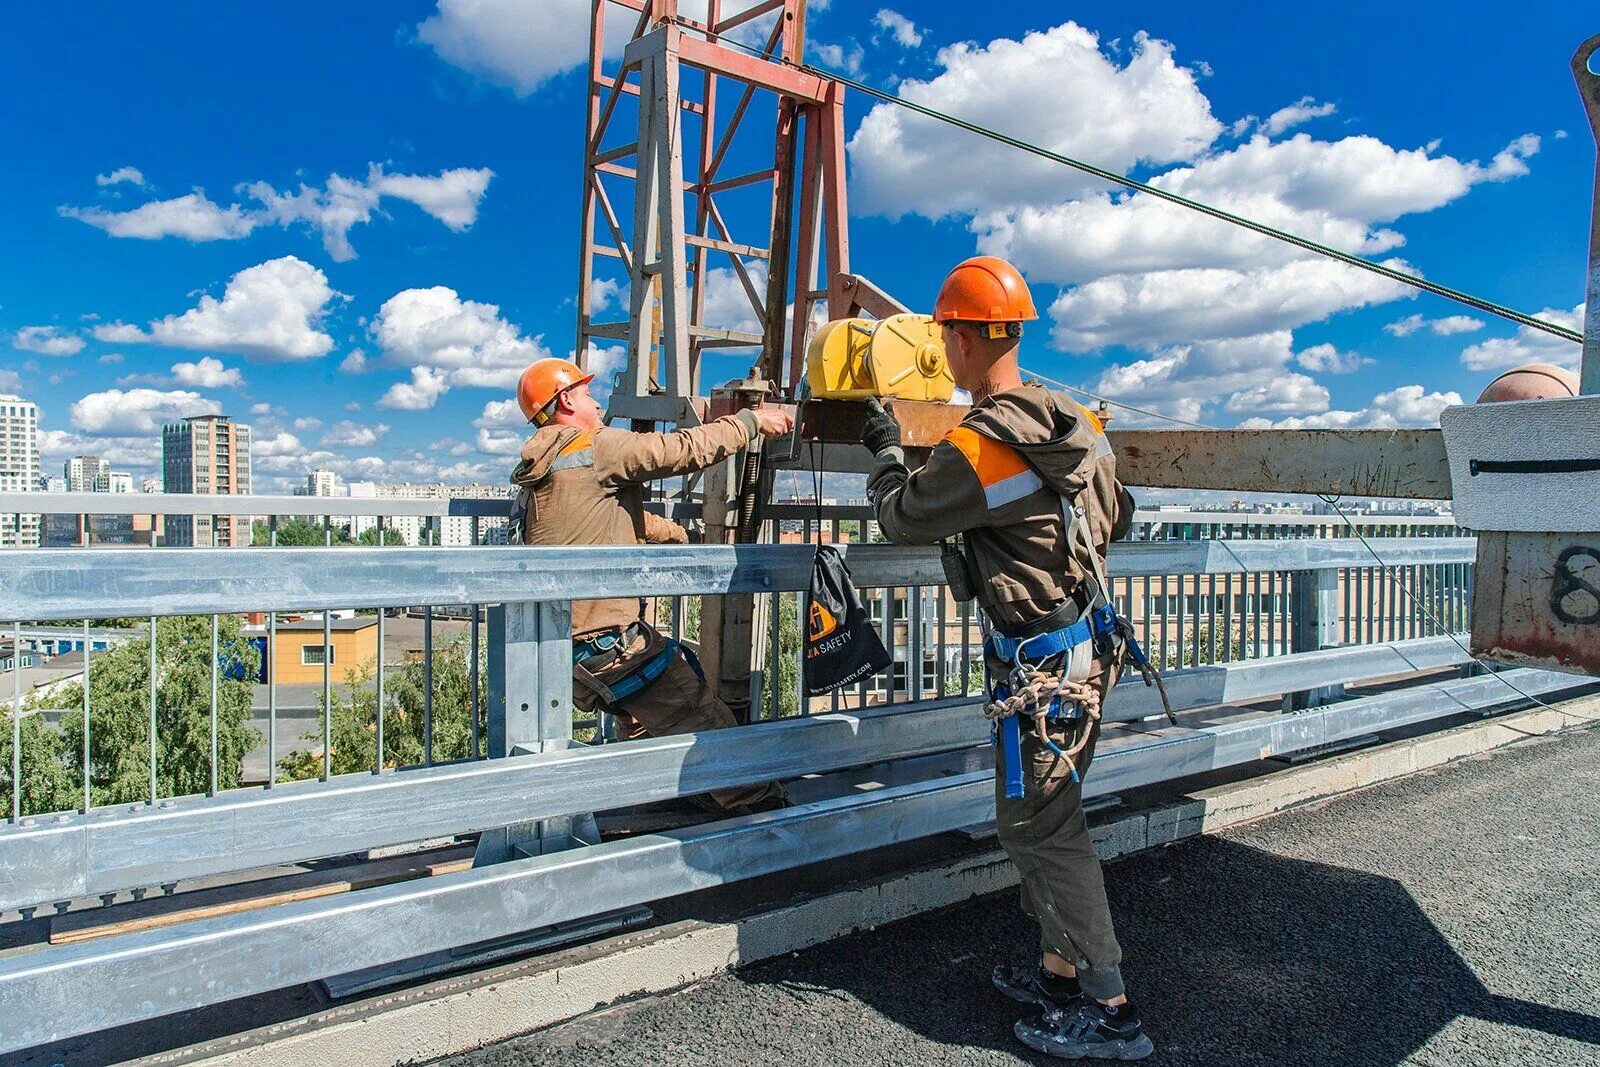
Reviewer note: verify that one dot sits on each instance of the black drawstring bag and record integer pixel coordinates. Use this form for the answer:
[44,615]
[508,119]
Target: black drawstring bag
[841,645]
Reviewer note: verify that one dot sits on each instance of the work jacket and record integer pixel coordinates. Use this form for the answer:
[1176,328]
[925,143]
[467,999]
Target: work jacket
[586,487]
[998,480]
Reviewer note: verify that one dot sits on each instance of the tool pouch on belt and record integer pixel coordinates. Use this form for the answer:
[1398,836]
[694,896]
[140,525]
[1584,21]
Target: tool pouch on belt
[596,678]
[957,575]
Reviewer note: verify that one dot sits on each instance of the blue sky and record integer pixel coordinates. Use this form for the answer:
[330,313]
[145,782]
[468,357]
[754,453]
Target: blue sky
[160,254]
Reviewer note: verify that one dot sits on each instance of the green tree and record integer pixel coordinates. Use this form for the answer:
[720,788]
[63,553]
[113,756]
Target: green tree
[369,536]
[46,785]
[297,533]
[119,716]
[354,729]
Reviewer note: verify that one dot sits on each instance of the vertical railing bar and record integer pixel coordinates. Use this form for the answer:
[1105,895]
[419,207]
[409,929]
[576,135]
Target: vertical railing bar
[914,642]
[216,622]
[888,642]
[377,713]
[1227,618]
[966,647]
[427,679]
[942,645]
[153,796]
[1211,618]
[88,799]
[472,679]
[270,667]
[1255,610]
[327,696]
[16,709]
[774,655]
[1162,660]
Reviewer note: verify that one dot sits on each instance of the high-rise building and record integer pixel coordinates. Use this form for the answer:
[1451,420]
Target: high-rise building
[87,474]
[19,467]
[321,483]
[150,485]
[208,455]
[121,482]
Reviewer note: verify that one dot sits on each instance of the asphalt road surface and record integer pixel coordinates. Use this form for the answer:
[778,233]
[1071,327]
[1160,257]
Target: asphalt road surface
[1449,918]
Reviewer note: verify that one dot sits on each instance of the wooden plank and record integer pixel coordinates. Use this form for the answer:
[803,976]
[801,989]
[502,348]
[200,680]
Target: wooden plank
[154,913]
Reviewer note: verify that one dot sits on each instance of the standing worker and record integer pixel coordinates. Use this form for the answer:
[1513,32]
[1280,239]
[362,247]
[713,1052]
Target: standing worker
[582,484]
[1028,484]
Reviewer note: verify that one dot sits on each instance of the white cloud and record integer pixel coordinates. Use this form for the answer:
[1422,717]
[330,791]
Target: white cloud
[1163,307]
[1057,88]
[347,434]
[1409,405]
[1286,393]
[192,217]
[1529,345]
[502,428]
[1450,324]
[10,381]
[603,292]
[902,29]
[306,423]
[262,408]
[448,342]
[269,313]
[1327,359]
[207,374]
[121,174]
[117,412]
[511,42]
[355,362]
[119,333]
[110,357]
[451,196]
[1301,111]
[140,453]
[281,443]
[47,341]
[420,393]
[845,59]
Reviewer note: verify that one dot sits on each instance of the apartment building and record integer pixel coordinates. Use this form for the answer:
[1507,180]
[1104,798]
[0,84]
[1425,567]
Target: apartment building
[19,467]
[206,455]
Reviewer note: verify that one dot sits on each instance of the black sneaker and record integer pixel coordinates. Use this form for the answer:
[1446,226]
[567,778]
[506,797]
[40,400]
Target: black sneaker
[1091,1031]
[1033,985]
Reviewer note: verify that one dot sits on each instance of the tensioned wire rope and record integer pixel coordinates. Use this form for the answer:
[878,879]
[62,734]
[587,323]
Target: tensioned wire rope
[1391,273]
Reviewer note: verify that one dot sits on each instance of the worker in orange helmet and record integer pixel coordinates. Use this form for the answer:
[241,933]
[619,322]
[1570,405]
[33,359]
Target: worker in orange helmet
[582,483]
[1025,498]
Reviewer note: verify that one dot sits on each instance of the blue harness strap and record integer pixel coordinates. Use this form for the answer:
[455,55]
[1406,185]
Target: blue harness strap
[1101,622]
[646,675]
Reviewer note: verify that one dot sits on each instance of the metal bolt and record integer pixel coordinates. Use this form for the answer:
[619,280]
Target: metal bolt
[169,888]
[108,899]
[27,914]
[138,894]
[63,906]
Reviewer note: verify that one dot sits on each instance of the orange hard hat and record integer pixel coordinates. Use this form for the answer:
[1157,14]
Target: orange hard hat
[543,381]
[984,289]
[1532,381]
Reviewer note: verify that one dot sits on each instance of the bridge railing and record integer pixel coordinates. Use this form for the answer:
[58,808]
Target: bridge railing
[530,799]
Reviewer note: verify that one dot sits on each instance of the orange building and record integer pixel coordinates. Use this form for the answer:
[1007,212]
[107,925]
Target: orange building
[298,653]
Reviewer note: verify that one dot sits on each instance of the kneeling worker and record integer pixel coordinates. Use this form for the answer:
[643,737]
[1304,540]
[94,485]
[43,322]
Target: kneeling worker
[1028,483]
[582,484]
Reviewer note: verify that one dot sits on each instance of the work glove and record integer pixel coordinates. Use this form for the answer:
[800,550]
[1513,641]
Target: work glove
[882,430]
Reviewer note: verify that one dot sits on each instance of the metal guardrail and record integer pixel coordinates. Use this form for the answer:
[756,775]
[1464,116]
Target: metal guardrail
[536,775]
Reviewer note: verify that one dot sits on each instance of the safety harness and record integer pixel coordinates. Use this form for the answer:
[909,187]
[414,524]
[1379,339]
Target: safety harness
[593,654]
[1097,634]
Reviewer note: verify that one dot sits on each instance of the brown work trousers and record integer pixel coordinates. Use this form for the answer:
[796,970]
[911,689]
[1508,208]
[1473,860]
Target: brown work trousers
[1046,834]
[678,702]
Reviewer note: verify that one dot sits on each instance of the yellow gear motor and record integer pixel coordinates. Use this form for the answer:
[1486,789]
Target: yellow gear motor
[901,356]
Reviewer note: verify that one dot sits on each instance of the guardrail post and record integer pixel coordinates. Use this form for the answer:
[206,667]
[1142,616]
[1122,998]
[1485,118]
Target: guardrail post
[530,710]
[1314,607]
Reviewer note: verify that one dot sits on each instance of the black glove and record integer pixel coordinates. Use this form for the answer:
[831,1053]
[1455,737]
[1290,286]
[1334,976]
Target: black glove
[882,430]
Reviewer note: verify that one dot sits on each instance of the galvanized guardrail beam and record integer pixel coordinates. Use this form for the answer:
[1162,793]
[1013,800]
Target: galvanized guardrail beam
[60,992]
[72,583]
[60,857]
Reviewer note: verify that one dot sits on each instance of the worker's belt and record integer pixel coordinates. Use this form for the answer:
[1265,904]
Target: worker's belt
[599,651]
[1100,625]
